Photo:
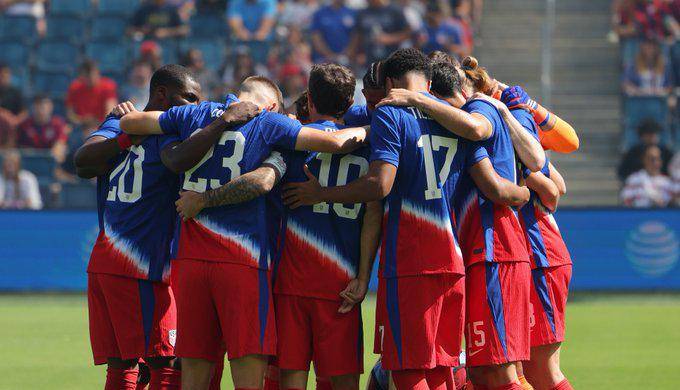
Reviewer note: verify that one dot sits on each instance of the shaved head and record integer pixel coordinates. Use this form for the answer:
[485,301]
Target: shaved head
[263,92]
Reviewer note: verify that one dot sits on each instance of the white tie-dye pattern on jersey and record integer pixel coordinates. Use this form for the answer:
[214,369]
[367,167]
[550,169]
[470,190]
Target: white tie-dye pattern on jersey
[322,247]
[237,239]
[471,201]
[127,249]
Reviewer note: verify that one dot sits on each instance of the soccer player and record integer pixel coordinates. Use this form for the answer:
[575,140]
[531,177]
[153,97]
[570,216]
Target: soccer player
[131,305]
[550,264]
[415,165]
[374,91]
[222,256]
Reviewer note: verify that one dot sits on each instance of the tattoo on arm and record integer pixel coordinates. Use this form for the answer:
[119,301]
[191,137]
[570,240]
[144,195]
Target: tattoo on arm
[244,188]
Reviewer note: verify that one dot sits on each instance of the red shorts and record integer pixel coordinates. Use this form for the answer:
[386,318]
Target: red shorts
[311,329]
[550,288]
[222,305]
[419,321]
[497,313]
[130,318]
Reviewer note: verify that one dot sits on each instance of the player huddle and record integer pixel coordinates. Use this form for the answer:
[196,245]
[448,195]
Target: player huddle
[278,220]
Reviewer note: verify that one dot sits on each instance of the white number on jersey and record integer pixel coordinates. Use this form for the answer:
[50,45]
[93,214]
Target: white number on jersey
[118,191]
[200,184]
[432,144]
[343,170]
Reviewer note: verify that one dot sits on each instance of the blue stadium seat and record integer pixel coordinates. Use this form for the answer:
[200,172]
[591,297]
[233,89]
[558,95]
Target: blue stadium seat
[14,53]
[54,84]
[66,27]
[78,196]
[71,7]
[21,79]
[636,110]
[207,26]
[111,56]
[21,28]
[108,27]
[214,50]
[118,7]
[57,56]
[40,163]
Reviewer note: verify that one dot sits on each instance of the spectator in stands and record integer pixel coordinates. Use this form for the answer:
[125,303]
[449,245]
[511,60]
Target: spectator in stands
[44,130]
[649,187]
[7,129]
[296,13]
[159,20]
[649,75]
[152,53]
[91,96]
[441,33]
[210,7]
[11,97]
[380,29]
[18,187]
[251,23]
[240,68]
[136,89]
[623,18]
[648,135]
[32,8]
[331,28]
[193,60]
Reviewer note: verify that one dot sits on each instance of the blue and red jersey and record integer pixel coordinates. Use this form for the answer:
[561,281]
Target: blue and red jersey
[357,116]
[487,231]
[321,251]
[418,236]
[544,240]
[136,211]
[231,233]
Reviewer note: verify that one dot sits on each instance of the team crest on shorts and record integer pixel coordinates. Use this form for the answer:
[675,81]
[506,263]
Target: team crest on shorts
[172,336]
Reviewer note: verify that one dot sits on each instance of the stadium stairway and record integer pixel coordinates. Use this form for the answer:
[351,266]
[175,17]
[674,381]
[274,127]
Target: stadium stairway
[586,89]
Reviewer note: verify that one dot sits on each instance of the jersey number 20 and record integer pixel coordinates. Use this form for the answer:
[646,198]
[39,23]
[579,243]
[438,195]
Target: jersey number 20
[118,191]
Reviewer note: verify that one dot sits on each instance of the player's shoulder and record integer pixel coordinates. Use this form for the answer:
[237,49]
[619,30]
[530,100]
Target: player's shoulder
[525,119]
[478,105]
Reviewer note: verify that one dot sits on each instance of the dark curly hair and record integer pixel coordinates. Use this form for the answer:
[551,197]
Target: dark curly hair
[404,61]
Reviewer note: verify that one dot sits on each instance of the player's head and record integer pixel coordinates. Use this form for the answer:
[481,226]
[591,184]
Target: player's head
[374,85]
[440,56]
[330,90]
[447,83]
[476,77]
[171,86]
[651,160]
[263,92]
[407,68]
[301,108]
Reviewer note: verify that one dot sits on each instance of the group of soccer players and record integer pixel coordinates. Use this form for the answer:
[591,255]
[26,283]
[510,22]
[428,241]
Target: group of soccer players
[272,224]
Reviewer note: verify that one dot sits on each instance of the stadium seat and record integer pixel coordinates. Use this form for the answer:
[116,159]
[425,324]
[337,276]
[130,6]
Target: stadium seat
[71,7]
[78,196]
[111,56]
[108,27]
[54,84]
[14,53]
[66,27]
[57,56]
[214,51]
[40,163]
[637,109]
[207,26]
[21,28]
[118,7]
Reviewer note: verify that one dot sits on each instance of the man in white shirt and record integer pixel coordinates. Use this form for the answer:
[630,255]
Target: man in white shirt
[18,188]
[648,187]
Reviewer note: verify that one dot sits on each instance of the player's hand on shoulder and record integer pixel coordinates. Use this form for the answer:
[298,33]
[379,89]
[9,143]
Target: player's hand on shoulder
[400,97]
[304,193]
[189,204]
[239,113]
[123,109]
[516,97]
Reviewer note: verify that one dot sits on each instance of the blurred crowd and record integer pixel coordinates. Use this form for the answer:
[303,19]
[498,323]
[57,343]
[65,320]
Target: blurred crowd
[649,35]
[66,63]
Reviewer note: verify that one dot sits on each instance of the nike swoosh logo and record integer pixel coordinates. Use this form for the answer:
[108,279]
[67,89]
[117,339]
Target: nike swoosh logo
[473,353]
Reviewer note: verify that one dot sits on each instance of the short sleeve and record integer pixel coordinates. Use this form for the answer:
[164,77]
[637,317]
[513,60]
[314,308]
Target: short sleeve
[279,130]
[384,137]
[484,109]
[357,116]
[526,120]
[108,129]
[177,119]
[269,8]
[476,152]
[234,8]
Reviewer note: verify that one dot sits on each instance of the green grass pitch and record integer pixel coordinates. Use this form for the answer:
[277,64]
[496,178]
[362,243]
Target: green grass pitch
[613,342]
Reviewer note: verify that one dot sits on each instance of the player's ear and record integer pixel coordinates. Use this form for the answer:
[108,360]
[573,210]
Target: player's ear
[162,93]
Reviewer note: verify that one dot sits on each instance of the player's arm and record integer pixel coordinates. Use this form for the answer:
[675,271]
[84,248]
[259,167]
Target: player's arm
[557,178]
[182,156]
[469,126]
[370,239]
[142,123]
[373,186]
[546,189]
[495,188]
[242,189]
[528,148]
[555,134]
[341,141]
